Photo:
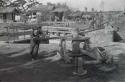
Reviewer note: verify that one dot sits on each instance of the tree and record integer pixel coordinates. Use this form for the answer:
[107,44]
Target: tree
[23,5]
[3,3]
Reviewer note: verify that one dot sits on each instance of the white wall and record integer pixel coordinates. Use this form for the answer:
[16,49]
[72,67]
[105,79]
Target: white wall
[100,36]
[17,18]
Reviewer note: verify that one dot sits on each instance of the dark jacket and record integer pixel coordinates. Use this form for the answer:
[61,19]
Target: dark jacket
[36,35]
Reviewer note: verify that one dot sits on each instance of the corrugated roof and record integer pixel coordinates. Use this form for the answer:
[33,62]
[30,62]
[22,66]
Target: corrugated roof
[7,10]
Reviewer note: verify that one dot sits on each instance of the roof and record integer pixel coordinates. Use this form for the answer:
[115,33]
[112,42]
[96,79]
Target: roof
[76,14]
[8,10]
[41,8]
[60,9]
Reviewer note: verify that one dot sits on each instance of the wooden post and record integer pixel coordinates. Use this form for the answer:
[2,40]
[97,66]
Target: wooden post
[8,38]
[24,35]
[17,33]
[14,35]
[8,34]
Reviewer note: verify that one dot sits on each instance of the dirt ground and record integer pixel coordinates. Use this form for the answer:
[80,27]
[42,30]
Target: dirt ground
[16,66]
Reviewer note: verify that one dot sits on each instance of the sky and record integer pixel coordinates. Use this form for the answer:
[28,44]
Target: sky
[96,4]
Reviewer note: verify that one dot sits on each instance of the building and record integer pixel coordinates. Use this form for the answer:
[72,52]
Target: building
[40,12]
[60,12]
[77,15]
[47,12]
[8,15]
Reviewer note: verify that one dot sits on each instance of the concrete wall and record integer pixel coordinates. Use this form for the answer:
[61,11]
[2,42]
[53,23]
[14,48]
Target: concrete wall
[101,36]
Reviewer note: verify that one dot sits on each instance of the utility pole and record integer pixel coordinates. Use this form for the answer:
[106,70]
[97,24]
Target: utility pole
[102,4]
[86,9]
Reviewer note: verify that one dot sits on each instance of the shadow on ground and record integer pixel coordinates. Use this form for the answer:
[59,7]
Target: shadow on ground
[22,69]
